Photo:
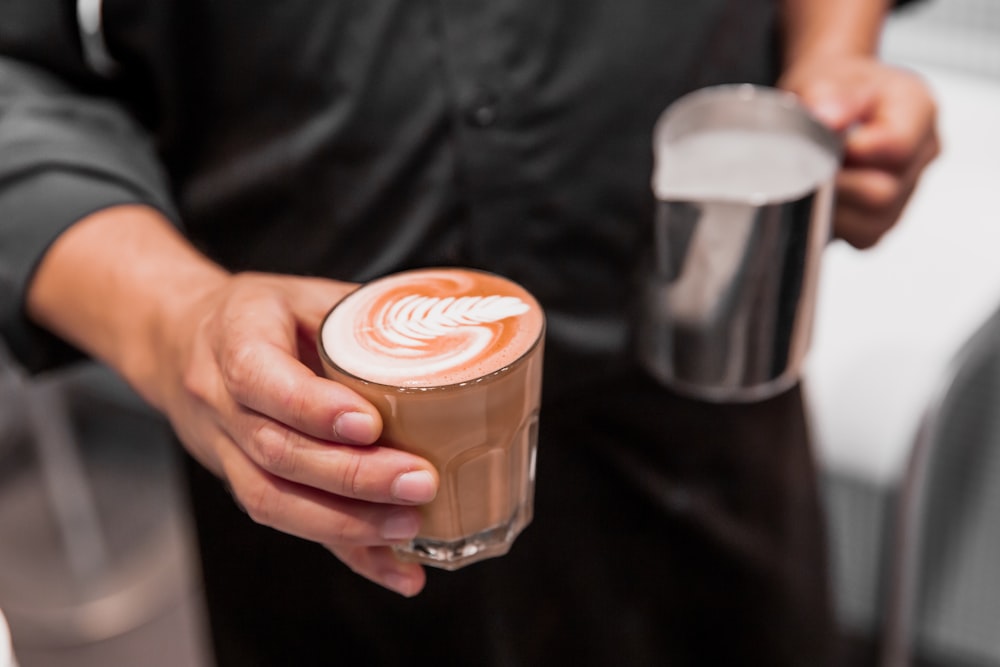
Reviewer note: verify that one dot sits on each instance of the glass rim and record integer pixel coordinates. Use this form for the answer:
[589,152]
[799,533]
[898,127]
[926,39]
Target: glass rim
[420,389]
[724,106]
[828,138]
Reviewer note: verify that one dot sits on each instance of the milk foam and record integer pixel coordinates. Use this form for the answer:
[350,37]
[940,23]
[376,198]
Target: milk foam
[756,166]
[431,327]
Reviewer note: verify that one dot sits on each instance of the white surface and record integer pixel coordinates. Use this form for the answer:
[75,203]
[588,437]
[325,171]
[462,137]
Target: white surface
[958,34]
[6,651]
[891,318]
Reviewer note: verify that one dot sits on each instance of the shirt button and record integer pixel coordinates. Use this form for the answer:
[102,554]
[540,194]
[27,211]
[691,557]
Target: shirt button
[483,110]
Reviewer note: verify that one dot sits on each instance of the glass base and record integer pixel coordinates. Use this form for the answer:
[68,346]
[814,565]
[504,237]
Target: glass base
[455,554]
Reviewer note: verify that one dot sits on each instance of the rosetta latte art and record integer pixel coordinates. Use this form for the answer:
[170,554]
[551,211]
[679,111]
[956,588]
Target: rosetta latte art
[433,328]
[415,320]
[430,335]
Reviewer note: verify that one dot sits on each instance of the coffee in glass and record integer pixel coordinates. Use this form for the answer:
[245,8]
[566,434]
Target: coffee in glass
[452,359]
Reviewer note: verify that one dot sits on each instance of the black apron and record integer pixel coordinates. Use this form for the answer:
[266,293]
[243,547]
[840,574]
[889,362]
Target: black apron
[667,531]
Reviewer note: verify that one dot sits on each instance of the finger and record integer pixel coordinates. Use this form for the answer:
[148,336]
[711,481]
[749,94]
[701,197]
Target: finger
[840,103]
[261,372]
[902,129]
[307,351]
[870,202]
[881,190]
[311,301]
[860,228]
[380,565]
[372,473]
[268,380]
[313,298]
[871,190]
[312,514]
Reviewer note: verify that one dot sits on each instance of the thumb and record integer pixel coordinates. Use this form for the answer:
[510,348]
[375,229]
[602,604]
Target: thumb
[312,298]
[839,104]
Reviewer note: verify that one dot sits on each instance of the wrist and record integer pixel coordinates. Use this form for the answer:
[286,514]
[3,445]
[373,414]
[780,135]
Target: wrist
[818,31]
[152,356]
[111,282]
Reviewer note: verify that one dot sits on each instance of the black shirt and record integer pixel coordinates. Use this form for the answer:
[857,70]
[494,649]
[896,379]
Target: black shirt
[349,139]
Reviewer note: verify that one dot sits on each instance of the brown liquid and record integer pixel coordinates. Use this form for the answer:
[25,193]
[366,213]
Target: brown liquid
[479,434]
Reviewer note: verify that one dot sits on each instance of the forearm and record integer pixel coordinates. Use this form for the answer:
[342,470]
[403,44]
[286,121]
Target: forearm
[821,29]
[112,281]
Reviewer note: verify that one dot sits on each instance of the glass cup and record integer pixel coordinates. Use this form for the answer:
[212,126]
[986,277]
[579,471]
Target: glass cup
[452,360]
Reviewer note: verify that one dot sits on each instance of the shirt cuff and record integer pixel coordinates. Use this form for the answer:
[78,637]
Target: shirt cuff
[34,210]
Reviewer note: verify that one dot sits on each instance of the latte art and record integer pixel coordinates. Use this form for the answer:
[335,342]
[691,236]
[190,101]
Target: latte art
[431,328]
[415,320]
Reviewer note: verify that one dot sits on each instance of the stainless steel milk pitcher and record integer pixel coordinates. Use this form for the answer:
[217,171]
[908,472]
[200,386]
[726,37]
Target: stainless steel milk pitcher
[744,184]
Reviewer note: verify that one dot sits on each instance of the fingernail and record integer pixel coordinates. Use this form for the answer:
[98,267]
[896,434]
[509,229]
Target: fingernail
[831,112]
[355,428]
[416,486]
[400,526]
[399,583]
